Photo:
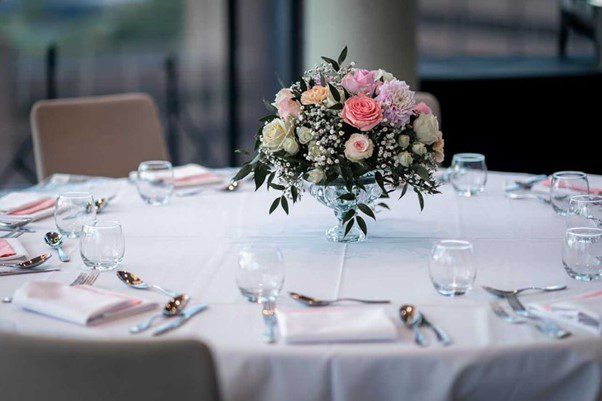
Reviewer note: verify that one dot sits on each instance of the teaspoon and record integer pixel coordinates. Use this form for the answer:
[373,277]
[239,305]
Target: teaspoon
[413,320]
[172,308]
[55,241]
[134,281]
[304,299]
[29,264]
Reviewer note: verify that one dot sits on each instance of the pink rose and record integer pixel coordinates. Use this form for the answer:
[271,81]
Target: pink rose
[422,108]
[362,112]
[360,81]
[438,154]
[358,147]
[285,104]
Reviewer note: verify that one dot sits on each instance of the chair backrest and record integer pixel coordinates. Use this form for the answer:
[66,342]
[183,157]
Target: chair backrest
[103,136]
[34,369]
[431,101]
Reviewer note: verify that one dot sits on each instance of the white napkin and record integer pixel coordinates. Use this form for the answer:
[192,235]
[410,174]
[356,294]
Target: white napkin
[584,311]
[80,304]
[329,324]
[16,201]
[17,247]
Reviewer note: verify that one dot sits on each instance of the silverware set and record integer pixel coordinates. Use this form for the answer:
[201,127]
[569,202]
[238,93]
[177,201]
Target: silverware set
[270,320]
[522,314]
[520,189]
[15,227]
[414,320]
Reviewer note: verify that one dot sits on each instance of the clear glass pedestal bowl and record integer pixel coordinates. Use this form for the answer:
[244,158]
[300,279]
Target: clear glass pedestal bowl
[329,195]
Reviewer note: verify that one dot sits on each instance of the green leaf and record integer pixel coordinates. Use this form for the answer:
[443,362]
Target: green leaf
[420,199]
[335,92]
[259,175]
[362,224]
[274,205]
[342,56]
[294,193]
[380,181]
[348,215]
[334,64]
[336,106]
[348,227]
[348,196]
[244,171]
[384,205]
[421,171]
[302,85]
[366,210]
[284,203]
[404,190]
[277,186]
[312,83]
[270,179]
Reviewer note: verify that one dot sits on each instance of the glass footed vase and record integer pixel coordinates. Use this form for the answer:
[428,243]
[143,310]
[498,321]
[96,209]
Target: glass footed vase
[328,194]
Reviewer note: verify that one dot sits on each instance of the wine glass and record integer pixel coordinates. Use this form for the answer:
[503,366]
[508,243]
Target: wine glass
[260,273]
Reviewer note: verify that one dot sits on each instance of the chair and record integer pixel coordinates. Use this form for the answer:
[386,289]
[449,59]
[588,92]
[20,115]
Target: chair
[431,101]
[103,136]
[583,17]
[34,369]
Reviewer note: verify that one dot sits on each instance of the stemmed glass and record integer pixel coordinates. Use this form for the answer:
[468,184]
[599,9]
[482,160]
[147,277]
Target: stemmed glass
[72,211]
[468,173]
[452,268]
[155,182]
[102,245]
[260,273]
[564,185]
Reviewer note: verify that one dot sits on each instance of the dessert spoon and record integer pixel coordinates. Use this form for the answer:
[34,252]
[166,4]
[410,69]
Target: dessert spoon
[134,281]
[304,299]
[172,308]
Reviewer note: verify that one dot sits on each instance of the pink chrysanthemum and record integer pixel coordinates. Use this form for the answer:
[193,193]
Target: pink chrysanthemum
[397,102]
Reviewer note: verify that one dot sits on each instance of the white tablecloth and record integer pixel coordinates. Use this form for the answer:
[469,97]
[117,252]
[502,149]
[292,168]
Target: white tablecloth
[191,245]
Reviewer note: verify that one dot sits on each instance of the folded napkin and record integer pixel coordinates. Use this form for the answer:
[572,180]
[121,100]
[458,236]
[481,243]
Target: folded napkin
[27,204]
[584,311]
[573,187]
[80,304]
[329,324]
[11,249]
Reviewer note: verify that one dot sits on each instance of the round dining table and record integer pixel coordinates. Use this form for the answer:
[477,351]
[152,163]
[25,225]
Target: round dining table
[191,245]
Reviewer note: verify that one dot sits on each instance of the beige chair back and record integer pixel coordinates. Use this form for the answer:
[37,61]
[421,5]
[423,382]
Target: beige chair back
[103,136]
[431,101]
[35,369]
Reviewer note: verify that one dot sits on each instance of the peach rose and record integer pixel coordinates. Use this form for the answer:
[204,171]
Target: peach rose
[287,107]
[358,147]
[360,81]
[438,154]
[362,112]
[315,95]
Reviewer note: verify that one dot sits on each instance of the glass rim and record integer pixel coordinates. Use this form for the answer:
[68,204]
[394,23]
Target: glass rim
[453,244]
[585,198]
[477,157]
[584,232]
[74,194]
[155,163]
[569,174]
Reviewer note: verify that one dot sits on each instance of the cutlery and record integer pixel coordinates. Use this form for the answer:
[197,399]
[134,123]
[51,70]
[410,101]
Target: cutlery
[13,234]
[528,183]
[55,241]
[23,229]
[518,196]
[502,314]
[502,293]
[83,278]
[441,335]
[28,271]
[413,320]
[304,299]
[184,317]
[134,281]
[15,224]
[269,318]
[29,264]
[172,308]
[102,203]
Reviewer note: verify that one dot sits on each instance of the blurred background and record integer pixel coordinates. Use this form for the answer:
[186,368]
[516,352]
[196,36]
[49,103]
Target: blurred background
[506,87]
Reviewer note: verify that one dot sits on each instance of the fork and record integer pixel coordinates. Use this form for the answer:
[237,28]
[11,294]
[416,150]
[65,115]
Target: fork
[82,279]
[504,315]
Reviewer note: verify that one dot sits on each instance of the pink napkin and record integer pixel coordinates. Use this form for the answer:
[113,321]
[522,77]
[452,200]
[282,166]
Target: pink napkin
[199,179]
[5,249]
[30,209]
[578,188]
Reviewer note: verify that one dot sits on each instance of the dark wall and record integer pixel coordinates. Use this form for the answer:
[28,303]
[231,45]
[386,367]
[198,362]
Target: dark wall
[530,124]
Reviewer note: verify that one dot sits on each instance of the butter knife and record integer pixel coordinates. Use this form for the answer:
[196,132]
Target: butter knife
[184,317]
[27,271]
[546,326]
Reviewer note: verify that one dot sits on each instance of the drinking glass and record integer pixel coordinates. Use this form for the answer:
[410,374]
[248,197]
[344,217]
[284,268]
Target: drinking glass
[155,182]
[582,253]
[260,272]
[585,211]
[72,211]
[564,185]
[102,245]
[468,173]
[452,268]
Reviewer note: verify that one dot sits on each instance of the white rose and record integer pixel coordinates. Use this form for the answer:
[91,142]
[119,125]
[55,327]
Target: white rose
[274,133]
[405,159]
[426,128]
[316,175]
[330,99]
[358,147]
[305,135]
[419,149]
[314,149]
[386,76]
[403,141]
[290,145]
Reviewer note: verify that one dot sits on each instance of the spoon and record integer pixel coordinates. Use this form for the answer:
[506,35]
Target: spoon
[134,281]
[172,308]
[55,241]
[29,264]
[413,320]
[304,299]
[102,203]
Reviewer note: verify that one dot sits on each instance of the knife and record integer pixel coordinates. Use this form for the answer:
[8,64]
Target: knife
[28,271]
[546,326]
[184,317]
[529,181]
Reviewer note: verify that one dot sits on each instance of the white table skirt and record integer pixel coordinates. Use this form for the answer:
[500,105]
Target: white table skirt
[191,245]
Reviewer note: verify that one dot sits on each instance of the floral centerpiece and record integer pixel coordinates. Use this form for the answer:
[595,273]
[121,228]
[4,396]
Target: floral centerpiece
[355,135]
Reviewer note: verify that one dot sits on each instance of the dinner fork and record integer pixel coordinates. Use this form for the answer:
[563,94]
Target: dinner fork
[504,315]
[87,278]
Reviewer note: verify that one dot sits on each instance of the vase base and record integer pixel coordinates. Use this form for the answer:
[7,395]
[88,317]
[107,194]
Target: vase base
[336,234]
